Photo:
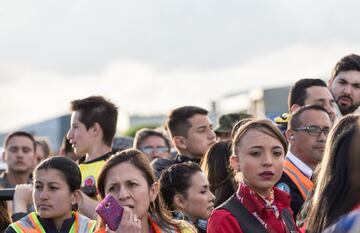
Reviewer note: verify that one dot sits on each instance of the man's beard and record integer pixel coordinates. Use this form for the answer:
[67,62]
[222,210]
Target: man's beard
[347,109]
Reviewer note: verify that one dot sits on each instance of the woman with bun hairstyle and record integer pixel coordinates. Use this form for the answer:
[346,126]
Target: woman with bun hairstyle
[56,191]
[186,193]
[259,149]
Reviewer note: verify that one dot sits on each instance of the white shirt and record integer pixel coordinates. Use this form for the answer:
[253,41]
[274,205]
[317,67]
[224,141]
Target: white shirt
[305,169]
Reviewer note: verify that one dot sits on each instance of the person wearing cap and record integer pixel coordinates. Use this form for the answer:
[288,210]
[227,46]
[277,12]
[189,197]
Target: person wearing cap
[226,123]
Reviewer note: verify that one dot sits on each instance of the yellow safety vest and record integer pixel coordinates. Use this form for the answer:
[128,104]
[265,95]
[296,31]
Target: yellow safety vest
[31,224]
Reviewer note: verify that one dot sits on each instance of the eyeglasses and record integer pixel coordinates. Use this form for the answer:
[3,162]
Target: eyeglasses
[158,149]
[314,130]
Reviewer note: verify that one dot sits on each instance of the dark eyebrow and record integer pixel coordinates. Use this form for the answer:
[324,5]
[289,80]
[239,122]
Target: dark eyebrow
[256,147]
[54,182]
[133,180]
[323,99]
[111,184]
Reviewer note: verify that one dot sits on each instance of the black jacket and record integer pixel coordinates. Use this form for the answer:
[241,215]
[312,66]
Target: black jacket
[297,200]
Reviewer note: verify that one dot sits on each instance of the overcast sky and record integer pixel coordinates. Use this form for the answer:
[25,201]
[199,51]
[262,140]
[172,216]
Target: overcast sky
[151,56]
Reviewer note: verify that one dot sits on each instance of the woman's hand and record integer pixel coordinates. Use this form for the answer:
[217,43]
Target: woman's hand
[129,223]
[22,198]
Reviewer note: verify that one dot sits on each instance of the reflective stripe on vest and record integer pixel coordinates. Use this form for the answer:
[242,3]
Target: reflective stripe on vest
[83,224]
[301,181]
[31,224]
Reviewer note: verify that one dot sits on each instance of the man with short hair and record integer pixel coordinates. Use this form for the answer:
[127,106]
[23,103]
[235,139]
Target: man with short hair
[306,134]
[344,84]
[311,91]
[19,155]
[92,130]
[191,132]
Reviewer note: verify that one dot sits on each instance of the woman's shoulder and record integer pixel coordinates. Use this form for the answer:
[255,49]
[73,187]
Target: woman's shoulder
[221,220]
[12,227]
[185,227]
[220,214]
[10,230]
[347,223]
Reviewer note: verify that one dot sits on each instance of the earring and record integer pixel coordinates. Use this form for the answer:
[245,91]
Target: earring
[75,207]
[152,207]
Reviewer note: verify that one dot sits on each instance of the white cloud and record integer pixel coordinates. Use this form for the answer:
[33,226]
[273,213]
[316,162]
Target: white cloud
[151,56]
[144,88]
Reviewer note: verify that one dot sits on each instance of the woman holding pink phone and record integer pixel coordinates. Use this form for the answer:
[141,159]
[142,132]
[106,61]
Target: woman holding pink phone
[127,176]
[56,191]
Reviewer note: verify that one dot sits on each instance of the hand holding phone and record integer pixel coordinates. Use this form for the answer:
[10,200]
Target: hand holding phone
[110,211]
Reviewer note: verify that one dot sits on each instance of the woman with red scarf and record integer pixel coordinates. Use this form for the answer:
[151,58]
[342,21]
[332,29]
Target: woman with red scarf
[257,206]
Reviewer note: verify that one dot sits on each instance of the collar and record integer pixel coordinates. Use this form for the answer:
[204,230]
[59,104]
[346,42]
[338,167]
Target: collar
[252,200]
[305,169]
[256,203]
[200,224]
[49,226]
[4,182]
[102,157]
[183,158]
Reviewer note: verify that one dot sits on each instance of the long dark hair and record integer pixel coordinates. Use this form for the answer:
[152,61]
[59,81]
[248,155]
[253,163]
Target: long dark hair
[68,168]
[141,162]
[339,177]
[5,219]
[177,179]
[215,165]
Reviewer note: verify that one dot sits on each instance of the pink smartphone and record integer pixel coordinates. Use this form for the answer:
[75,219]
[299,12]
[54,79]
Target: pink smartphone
[110,211]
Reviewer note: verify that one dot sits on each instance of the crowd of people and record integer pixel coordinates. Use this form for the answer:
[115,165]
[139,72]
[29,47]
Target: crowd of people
[298,172]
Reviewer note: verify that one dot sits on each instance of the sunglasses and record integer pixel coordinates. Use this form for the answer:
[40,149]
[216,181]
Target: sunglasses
[151,150]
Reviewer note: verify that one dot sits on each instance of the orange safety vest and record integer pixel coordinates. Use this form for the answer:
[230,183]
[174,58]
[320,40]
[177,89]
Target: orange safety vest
[301,181]
[185,228]
[31,224]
